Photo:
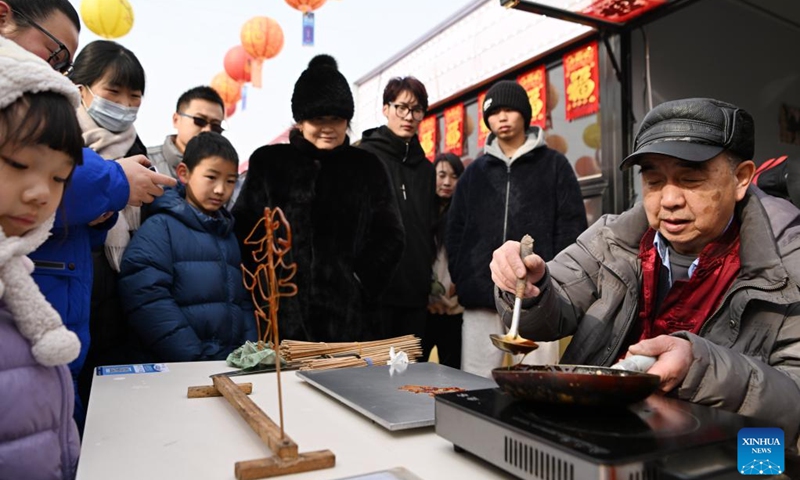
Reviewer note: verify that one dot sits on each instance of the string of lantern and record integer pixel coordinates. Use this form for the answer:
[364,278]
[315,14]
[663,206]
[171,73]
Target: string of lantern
[261,39]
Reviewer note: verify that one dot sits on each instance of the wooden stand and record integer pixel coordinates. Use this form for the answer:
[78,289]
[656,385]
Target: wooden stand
[270,281]
[206,391]
[286,459]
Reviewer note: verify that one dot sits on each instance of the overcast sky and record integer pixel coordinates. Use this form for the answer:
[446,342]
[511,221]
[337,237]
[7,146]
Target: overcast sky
[182,43]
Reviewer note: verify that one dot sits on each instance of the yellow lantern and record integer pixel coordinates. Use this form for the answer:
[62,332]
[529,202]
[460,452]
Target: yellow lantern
[591,136]
[107,18]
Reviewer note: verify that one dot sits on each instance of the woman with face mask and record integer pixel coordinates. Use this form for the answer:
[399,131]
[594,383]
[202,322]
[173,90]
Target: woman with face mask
[111,82]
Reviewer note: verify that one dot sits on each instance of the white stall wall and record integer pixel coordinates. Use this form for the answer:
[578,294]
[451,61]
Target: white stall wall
[729,51]
[480,43]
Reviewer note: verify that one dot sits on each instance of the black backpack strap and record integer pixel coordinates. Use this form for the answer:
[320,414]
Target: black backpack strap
[768,165]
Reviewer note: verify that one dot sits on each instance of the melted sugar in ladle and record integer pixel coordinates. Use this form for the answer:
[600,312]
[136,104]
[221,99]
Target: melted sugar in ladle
[511,342]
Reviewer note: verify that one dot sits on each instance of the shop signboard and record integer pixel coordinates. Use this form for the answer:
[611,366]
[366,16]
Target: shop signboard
[619,11]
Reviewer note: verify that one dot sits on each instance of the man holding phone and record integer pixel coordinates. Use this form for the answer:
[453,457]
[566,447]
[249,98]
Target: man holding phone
[199,109]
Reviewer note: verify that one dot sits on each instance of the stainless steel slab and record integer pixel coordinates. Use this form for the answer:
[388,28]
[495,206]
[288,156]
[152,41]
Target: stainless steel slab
[375,391]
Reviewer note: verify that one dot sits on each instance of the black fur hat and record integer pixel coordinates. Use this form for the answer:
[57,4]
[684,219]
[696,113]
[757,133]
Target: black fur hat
[322,90]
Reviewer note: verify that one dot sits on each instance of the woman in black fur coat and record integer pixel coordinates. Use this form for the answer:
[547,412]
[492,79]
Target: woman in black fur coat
[347,235]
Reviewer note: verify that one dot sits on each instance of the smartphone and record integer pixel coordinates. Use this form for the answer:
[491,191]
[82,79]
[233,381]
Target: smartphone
[153,168]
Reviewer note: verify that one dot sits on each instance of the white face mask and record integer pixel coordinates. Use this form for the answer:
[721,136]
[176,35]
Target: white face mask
[111,115]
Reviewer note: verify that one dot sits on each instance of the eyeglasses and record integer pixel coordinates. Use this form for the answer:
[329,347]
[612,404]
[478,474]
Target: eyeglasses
[417,113]
[202,122]
[59,58]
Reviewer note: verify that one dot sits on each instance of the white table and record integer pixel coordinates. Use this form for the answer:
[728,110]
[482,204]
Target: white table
[143,426]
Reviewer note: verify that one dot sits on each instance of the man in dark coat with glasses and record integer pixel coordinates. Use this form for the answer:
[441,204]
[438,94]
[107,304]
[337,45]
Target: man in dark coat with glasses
[404,305]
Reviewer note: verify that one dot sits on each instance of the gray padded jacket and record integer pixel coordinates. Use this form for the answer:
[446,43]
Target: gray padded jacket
[747,354]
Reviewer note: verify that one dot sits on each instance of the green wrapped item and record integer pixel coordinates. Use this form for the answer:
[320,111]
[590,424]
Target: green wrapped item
[249,355]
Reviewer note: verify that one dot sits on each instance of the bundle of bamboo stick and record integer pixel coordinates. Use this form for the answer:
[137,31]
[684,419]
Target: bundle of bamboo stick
[322,356]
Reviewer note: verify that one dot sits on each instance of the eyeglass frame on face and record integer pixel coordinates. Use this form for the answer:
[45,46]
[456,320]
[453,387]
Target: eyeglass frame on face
[64,66]
[401,110]
[202,122]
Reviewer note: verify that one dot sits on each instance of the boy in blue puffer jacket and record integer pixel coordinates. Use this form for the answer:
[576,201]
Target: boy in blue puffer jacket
[180,278]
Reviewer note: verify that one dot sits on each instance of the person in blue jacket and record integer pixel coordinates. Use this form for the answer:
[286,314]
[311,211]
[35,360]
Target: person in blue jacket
[180,278]
[64,269]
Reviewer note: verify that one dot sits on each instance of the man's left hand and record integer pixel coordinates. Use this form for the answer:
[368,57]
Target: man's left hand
[674,358]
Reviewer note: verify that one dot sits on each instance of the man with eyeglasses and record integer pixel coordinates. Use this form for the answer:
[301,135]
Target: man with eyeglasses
[403,309]
[199,109]
[45,28]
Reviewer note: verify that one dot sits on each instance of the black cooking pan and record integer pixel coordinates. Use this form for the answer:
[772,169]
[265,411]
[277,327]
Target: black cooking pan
[575,384]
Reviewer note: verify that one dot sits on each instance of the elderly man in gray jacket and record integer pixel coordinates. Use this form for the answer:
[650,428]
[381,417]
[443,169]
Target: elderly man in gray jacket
[703,274]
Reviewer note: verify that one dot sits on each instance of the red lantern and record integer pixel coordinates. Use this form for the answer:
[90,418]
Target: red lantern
[237,64]
[228,89]
[230,109]
[305,6]
[262,38]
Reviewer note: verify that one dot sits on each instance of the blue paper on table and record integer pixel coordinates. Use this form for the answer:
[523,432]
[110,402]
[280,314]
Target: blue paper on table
[130,369]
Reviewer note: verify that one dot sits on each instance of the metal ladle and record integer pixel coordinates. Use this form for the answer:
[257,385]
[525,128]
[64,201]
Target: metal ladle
[511,342]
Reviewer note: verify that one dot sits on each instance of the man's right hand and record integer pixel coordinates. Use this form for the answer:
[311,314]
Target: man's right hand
[507,267]
[145,185]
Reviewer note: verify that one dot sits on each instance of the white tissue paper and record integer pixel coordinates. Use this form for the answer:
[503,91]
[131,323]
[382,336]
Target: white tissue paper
[397,362]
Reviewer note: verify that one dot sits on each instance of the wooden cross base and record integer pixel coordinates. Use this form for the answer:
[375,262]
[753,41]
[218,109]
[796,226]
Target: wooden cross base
[286,459]
[274,466]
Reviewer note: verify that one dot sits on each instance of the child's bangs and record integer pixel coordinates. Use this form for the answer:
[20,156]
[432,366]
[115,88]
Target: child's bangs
[45,118]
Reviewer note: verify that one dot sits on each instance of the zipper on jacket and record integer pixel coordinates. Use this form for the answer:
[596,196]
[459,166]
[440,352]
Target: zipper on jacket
[403,184]
[508,196]
[64,421]
[50,265]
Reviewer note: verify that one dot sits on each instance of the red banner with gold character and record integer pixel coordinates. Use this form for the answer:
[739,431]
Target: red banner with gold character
[483,130]
[427,136]
[454,129]
[582,81]
[534,82]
